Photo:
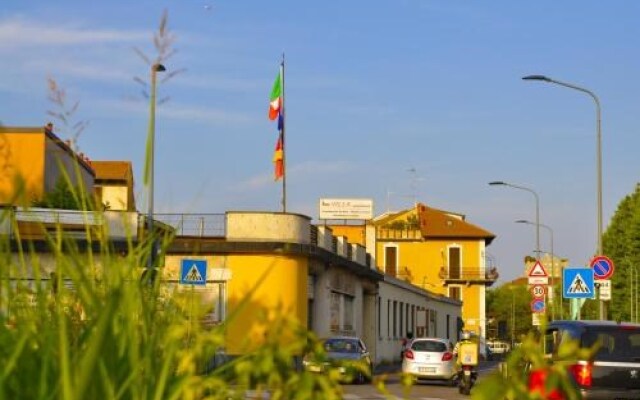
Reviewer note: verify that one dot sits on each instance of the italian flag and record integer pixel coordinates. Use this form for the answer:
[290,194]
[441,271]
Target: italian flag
[276,98]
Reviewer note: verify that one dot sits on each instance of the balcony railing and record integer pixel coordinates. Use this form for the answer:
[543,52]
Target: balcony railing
[200,225]
[469,275]
[398,234]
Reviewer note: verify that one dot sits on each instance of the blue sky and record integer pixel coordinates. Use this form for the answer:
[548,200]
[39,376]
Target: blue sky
[374,89]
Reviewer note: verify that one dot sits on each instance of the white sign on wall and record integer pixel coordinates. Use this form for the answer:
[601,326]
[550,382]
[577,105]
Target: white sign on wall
[346,208]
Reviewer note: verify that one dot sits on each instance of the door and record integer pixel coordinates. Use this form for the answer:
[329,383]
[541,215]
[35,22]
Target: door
[391,260]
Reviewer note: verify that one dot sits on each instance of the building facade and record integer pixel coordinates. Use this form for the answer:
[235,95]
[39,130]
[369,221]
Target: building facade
[33,160]
[439,251]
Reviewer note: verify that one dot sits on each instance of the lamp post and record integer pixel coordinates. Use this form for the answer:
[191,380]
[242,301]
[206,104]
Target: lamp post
[500,183]
[598,154]
[553,264]
[513,316]
[155,68]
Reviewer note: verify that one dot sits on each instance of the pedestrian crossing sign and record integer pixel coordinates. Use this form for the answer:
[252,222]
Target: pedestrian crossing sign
[577,283]
[193,272]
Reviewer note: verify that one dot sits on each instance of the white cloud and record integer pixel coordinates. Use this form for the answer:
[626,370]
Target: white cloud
[307,169]
[66,67]
[176,111]
[20,33]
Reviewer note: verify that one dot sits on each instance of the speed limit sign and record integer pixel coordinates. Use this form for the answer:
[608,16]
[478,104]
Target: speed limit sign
[538,291]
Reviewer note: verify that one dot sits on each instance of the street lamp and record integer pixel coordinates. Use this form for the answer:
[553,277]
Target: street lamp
[598,154]
[553,264]
[155,68]
[500,183]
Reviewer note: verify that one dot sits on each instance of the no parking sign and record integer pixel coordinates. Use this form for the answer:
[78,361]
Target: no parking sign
[602,267]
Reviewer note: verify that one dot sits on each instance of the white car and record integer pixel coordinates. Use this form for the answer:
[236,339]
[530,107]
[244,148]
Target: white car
[430,359]
[498,347]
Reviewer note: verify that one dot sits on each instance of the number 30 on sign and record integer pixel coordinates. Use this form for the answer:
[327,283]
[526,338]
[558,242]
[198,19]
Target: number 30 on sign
[538,291]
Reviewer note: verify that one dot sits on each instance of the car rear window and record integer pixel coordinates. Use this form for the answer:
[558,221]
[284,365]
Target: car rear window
[341,346]
[617,343]
[429,345]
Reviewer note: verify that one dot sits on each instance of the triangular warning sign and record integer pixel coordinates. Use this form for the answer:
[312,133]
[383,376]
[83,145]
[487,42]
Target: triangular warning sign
[193,275]
[578,285]
[538,270]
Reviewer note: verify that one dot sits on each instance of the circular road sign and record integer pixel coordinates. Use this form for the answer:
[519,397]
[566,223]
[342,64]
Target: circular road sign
[538,291]
[537,306]
[602,267]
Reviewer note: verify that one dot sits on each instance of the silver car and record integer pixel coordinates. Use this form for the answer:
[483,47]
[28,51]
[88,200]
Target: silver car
[430,359]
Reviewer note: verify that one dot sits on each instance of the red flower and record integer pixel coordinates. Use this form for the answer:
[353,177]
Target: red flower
[537,380]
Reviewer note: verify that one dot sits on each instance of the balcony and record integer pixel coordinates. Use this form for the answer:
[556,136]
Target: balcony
[398,234]
[469,276]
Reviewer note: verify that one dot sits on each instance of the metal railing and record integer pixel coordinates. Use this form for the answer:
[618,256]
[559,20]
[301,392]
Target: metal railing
[469,274]
[201,225]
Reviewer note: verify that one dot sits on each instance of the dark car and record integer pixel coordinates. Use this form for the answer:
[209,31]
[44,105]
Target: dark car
[346,353]
[614,370]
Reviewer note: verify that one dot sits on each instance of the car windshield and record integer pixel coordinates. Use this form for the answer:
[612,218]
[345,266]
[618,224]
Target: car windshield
[341,346]
[428,345]
[614,343]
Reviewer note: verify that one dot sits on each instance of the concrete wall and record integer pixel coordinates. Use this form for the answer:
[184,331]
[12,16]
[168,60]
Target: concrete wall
[61,165]
[248,226]
[115,197]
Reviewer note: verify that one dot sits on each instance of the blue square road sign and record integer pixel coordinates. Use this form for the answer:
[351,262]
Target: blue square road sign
[577,283]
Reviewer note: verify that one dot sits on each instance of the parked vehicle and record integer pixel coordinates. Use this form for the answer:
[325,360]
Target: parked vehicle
[346,353]
[498,347]
[430,359]
[614,370]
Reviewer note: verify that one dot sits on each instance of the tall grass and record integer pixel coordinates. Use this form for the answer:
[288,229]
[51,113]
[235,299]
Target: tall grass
[82,326]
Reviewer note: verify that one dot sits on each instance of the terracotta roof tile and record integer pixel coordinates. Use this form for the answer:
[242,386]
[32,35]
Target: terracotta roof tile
[112,170]
[436,223]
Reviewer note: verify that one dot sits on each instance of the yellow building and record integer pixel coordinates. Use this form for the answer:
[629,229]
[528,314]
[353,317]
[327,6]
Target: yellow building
[439,251]
[33,160]
[264,263]
[114,185]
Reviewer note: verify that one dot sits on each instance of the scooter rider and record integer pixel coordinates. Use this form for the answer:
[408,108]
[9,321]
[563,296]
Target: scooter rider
[466,351]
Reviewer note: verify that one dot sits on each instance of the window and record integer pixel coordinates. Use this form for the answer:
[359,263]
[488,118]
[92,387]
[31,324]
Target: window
[429,346]
[400,326]
[454,263]
[341,312]
[348,313]
[388,318]
[391,260]
[212,297]
[395,319]
[448,326]
[455,292]
[413,319]
[406,313]
[379,317]
[334,312]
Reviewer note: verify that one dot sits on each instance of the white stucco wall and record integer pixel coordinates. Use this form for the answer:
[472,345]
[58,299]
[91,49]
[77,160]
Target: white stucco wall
[115,197]
[388,345]
[268,226]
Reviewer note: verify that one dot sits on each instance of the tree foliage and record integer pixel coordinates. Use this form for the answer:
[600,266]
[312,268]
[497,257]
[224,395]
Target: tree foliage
[65,197]
[510,304]
[621,243]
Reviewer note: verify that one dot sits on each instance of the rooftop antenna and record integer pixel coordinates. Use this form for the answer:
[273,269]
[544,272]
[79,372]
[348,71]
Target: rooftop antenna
[414,184]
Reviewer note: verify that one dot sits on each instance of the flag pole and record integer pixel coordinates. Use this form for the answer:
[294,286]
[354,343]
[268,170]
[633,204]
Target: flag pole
[284,147]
